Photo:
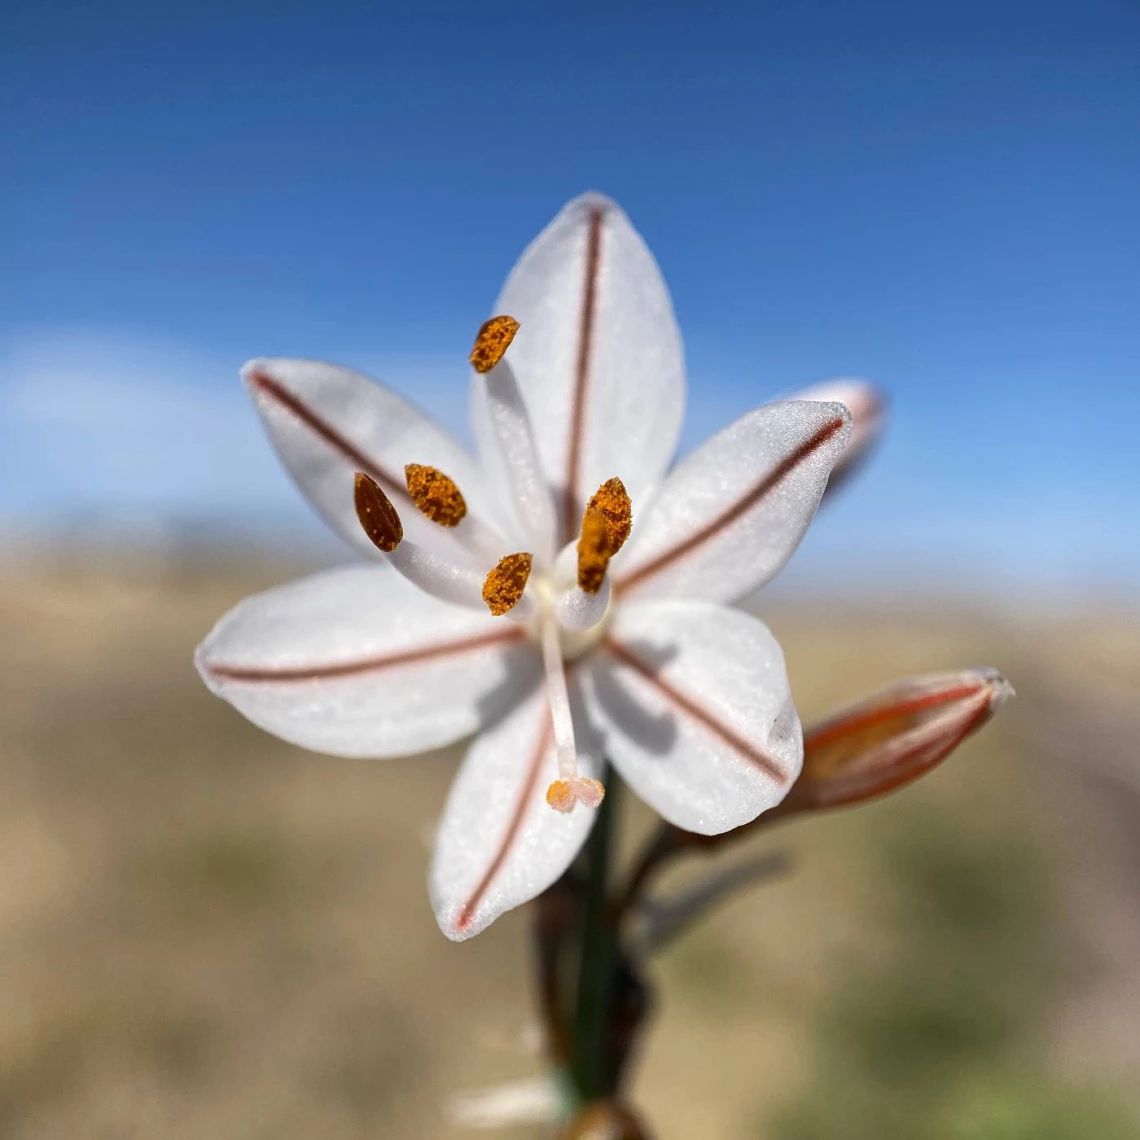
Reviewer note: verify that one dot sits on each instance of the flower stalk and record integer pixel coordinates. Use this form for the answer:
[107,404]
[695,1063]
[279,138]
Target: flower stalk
[598,953]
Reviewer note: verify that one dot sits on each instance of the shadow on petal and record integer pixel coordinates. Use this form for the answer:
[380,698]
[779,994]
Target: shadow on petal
[521,679]
[656,732]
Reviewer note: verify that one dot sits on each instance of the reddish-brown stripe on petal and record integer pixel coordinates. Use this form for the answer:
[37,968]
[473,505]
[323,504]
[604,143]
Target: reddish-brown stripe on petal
[254,674]
[526,795]
[741,507]
[393,486]
[587,320]
[703,716]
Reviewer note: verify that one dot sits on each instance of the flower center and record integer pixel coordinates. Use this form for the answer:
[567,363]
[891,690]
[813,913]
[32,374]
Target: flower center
[565,605]
[572,643]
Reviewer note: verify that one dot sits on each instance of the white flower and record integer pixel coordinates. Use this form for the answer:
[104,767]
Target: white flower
[687,697]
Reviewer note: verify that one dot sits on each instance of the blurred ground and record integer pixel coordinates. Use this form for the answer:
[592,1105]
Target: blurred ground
[207,933]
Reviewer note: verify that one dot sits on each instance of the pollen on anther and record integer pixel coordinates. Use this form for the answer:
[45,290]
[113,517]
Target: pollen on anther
[594,551]
[435,494]
[612,499]
[376,514]
[492,341]
[504,585]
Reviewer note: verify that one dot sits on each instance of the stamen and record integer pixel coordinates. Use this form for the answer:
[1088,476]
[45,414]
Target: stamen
[493,340]
[594,551]
[504,585]
[562,795]
[612,499]
[438,497]
[432,573]
[435,494]
[376,514]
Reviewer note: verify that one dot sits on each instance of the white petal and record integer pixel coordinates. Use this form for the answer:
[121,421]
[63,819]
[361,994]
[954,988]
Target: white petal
[328,422]
[696,713]
[868,408]
[598,355]
[358,662]
[500,844]
[732,513]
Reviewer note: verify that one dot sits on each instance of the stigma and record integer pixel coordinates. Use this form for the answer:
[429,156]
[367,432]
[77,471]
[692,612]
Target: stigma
[563,795]
[571,787]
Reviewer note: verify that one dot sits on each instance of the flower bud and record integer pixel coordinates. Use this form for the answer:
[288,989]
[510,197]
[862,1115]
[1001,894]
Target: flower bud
[894,737]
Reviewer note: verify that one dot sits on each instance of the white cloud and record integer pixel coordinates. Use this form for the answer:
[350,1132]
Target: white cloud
[120,423]
[133,429]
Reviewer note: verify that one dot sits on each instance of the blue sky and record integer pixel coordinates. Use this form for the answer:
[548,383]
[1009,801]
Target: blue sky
[938,196]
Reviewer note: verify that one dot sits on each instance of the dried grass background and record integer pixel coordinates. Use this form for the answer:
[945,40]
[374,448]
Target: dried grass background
[207,933]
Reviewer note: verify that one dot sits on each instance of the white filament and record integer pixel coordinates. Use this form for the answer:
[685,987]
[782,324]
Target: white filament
[447,580]
[515,437]
[438,576]
[482,542]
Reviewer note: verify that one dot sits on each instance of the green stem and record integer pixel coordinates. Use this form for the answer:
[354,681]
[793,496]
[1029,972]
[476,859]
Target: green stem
[596,964]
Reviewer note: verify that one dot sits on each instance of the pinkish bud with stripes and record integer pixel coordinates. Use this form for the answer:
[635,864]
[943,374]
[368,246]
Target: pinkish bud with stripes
[564,595]
[894,737]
